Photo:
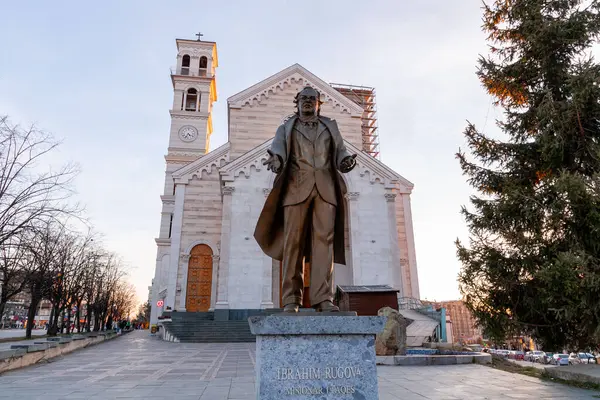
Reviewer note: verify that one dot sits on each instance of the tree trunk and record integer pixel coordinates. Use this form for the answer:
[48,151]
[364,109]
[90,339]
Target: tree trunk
[31,316]
[2,307]
[88,317]
[50,320]
[88,320]
[96,322]
[62,322]
[53,323]
[57,316]
[78,316]
[68,321]
[103,321]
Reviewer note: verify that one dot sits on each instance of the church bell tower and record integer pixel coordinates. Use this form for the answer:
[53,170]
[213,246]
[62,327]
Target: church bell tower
[194,92]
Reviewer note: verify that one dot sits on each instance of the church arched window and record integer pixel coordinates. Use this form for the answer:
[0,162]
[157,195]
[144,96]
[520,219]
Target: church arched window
[185,65]
[192,100]
[203,65]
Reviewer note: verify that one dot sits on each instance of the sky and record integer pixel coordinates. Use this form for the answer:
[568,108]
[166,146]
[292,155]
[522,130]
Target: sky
[96,75]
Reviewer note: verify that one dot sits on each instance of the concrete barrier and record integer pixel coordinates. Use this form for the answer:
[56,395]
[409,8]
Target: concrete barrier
[583,373]
[23,355]
[423,360]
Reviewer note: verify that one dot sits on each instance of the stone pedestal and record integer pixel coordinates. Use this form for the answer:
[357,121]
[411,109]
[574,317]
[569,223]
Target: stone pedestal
[316,356]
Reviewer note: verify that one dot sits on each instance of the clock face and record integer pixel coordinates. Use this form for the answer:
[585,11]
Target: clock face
[188,133]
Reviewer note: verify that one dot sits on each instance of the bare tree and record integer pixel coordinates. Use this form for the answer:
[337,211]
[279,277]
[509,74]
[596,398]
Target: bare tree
[82,275]
[143,313]
[75,280]
[39,254]
[42,249]
[68,279]
[12,276]
[123,300]
[30,193]
[113,273]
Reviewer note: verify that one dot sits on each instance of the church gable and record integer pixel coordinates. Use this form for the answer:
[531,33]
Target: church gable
[246,164]
[295,74]
[255,113]
[366,167]
[378,172]
[205,164]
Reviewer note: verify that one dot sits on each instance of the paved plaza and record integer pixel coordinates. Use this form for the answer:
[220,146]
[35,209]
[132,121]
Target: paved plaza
[143,367]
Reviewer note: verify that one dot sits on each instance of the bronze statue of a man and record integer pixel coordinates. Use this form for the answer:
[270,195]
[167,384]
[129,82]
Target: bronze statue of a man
[303,217]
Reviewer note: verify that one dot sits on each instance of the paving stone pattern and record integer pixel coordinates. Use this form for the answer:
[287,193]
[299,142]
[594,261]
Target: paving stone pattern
[138,366]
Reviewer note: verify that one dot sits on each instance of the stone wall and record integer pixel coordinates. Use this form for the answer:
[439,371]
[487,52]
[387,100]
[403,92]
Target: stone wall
[408,261]
[249,270]
[201,223]
[403,244]
[371,244]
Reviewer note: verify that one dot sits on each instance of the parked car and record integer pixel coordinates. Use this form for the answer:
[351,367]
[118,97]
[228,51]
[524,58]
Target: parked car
[581,358]
[503,353]
[547,359]
[573,359]
[591,358]
[560,359]
[536,355]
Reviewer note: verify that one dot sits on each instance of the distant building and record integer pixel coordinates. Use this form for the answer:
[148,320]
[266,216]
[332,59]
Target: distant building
[464,328]
[425,321]
[16,309]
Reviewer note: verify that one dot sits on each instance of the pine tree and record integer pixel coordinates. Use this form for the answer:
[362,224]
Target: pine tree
[532,266]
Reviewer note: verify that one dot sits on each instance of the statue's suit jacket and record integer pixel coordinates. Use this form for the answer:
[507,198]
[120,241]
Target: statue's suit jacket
[269,228]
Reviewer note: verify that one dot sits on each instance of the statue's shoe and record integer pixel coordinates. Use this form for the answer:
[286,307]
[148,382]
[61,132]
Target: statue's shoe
[291,308]
[326,306]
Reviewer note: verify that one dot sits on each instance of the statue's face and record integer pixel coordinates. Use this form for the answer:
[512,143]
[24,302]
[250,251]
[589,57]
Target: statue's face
[308,102]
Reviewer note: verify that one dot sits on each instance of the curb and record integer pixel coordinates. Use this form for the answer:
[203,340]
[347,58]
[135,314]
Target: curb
[571,375]
[424,360]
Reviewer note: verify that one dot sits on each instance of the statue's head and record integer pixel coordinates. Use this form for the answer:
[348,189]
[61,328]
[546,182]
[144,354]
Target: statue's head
[308,101]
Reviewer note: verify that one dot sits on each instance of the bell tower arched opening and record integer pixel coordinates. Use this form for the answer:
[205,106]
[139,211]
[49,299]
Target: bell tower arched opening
[185,65]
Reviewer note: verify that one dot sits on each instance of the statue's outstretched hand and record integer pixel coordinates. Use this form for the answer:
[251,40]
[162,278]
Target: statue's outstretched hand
[273,163]
[348,163]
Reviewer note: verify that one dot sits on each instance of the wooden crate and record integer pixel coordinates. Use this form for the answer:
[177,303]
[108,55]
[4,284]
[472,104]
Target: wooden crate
[366,300]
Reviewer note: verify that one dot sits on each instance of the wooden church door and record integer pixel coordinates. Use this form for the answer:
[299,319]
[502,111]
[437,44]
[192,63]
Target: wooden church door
[199,279]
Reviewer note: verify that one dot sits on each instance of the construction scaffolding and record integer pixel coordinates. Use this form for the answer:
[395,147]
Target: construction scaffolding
[365,97]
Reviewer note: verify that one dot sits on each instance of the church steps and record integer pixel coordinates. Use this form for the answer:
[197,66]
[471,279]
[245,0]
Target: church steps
[192,316]
[229,326]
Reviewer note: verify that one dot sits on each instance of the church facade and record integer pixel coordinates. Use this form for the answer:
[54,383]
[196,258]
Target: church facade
[207,257]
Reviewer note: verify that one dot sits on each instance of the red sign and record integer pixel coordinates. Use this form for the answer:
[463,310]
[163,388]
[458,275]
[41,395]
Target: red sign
[160,303]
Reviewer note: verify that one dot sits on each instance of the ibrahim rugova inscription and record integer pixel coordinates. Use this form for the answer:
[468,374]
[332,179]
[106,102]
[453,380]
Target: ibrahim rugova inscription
[316,356]
[319,374]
